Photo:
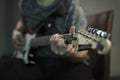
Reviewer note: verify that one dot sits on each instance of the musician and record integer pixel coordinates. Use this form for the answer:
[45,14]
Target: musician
[53,17]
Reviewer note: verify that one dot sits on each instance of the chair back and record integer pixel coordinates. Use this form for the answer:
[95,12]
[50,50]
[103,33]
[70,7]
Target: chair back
[101,63]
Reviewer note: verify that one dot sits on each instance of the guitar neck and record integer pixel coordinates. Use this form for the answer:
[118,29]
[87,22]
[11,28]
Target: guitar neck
[44,40]
[40,41]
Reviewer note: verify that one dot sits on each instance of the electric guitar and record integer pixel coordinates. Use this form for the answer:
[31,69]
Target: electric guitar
[82,40]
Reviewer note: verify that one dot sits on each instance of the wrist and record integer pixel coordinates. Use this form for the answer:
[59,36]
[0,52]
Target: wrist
[78,54]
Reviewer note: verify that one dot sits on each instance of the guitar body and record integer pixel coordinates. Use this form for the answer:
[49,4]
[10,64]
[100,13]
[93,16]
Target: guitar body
[28,39]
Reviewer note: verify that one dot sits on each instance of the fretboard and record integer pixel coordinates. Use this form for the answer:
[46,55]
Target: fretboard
[44,40]
[40,41]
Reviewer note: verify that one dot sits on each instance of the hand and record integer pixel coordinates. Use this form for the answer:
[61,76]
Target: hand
[57,43]
[71,49]
[18,39]
[59,47]
[55,40]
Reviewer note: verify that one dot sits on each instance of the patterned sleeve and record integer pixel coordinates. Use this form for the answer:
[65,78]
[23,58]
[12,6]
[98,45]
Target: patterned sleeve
[76,16]
[79,17]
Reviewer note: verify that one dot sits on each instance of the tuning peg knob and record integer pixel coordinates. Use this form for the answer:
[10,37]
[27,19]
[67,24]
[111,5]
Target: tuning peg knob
[98,33]
[104,34]
[94,31]
[90,29]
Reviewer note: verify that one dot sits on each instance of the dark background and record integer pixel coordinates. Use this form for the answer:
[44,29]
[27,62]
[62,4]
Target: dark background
[8,17]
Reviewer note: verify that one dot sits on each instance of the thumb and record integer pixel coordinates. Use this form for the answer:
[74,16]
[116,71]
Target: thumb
[72,30]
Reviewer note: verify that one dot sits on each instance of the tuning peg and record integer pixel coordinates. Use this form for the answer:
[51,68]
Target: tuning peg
[108,36]
[94,31]
[90,29]
[104,34]
[98,33]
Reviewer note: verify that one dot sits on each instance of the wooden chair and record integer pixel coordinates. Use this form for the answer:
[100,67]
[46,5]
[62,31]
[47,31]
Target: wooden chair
[101,63]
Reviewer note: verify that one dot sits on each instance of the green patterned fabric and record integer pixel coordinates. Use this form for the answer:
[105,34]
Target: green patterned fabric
[35,14]
[45,3]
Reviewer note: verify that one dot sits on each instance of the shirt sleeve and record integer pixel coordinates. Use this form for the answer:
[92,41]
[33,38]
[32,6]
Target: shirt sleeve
[76,16]
[79,18]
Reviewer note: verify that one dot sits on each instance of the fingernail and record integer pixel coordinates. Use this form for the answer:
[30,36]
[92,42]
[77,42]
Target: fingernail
[72,29]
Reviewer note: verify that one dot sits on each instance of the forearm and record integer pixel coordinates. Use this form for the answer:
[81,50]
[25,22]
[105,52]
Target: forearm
[81,55]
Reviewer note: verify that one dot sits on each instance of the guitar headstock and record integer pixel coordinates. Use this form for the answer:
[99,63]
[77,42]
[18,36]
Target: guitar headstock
[92,39]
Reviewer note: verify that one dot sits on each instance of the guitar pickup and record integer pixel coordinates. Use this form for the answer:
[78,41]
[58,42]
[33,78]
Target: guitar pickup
[84,47]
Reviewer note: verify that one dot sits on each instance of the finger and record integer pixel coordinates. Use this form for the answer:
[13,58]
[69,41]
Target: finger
[53,44]
[17,43]
[72,29]
[69,47]
[61,43]
[54,48]
[18,47]
[52,37]
[56,38]
[19,40]
[73,51]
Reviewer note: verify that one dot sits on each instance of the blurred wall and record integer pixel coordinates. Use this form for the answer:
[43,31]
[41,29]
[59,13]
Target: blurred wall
[9,15]
[8,18]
